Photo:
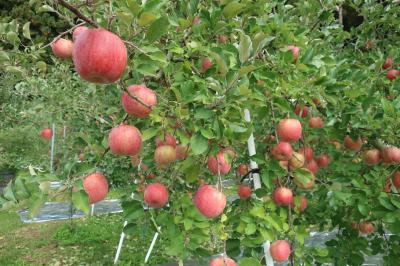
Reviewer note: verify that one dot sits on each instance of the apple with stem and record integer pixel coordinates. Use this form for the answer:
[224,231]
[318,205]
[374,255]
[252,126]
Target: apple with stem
[96,187]
[138,100]
[156,195]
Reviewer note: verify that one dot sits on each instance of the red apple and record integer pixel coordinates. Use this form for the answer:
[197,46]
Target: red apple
[206,64]
[140,108]
[295,52]
[222,261]
[230,152]
[164,154]
[209,201]
[300,182]
[312,166]
[96,187]
[77,31]
[182,152]
[388,63]
[156,195]
[392,74]
[280,250]
[366,227]
[125,140]
[196,20]
[372,156]
[62,48]
[283,196]
[168,139]
[322,160]
[47,133]
[243,191]
[301,111]
[218,163]
[289,129]
[242,169]
[99,56]
[307,152]
[222,39]
[351,144]
[282,151]
[316,122]
[302,205]
[391,154]
[396,179]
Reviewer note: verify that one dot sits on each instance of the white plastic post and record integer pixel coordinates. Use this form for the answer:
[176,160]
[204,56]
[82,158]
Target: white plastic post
[153,242]
[257,183]
[52,147]
[121,241]
[92,210]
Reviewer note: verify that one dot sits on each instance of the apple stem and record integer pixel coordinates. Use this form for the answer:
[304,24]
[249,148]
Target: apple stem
[78,13]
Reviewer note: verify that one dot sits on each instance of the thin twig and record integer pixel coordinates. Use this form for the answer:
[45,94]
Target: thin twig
[136,47]
[134,97]
[62,34]
[78,13]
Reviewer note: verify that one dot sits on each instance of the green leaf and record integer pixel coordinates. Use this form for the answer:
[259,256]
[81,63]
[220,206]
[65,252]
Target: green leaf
[232,9]
[81,201]
[146,18]
[45,8]
[245,48]
[157,29]
[198,144]
[222,67]
[134,7]
[149,133]
[35,206]
[25,30]
[4,57]
[249,262]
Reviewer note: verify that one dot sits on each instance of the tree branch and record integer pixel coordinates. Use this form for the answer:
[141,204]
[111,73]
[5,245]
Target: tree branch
[78,13]
[62,34]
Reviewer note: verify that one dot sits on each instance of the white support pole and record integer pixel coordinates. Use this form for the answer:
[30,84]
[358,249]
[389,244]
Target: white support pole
[53,135]
[153,242]
[257,183]
[121,241]
[64,134]
[92,210]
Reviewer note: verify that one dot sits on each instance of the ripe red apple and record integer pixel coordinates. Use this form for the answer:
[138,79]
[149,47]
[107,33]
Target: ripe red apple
[77,31]
[366,227]
[99,56]
[372,156]
[392,74]
[47,133]
[302,112]
[62,48]
[297,160]
[302,205]
[209,201]
[280,250]
[156,195]
[243,191]
[164,154]
[312,166]
[289,129]
[391,154]
[388,63]
[316,122]
[206,64]
[182,152]
[168,139]
[351,144]
[295,52]
[283,196]
[309,185]
[125,140]
[96,186]
[222,261]
[322,160]
[242,169]
[145,95]
[396,179]
[307,152]
[222,39]
[282,151]
[218,163]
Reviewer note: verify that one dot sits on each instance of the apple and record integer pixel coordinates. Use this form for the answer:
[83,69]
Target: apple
[392,74]
[135,107]
[391,154]
[222,39]
[196,20]
[242,169]
[297,160]
[230,152]
[322,160]
[300,182]
[396,179]
[316,101]
[372,156]
[77,31]
[168,139]
[307,152]
[295,52]
[335,143]
[222,261]
[283,196]
[243,191]
[206,64]
[46,133]
[301,111]
[351,144]
[280,250]
[316,122]
[95,186]
[388,63]
[218,163]
[62,48]
[284,165]
[282,151]
[354,225]
[312,166]
[289,129]
[165,154]
[81,157]
[99,56]
[366,227]
[156,195]
[209,201]
[302,205]
[182,152]
[125,140]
